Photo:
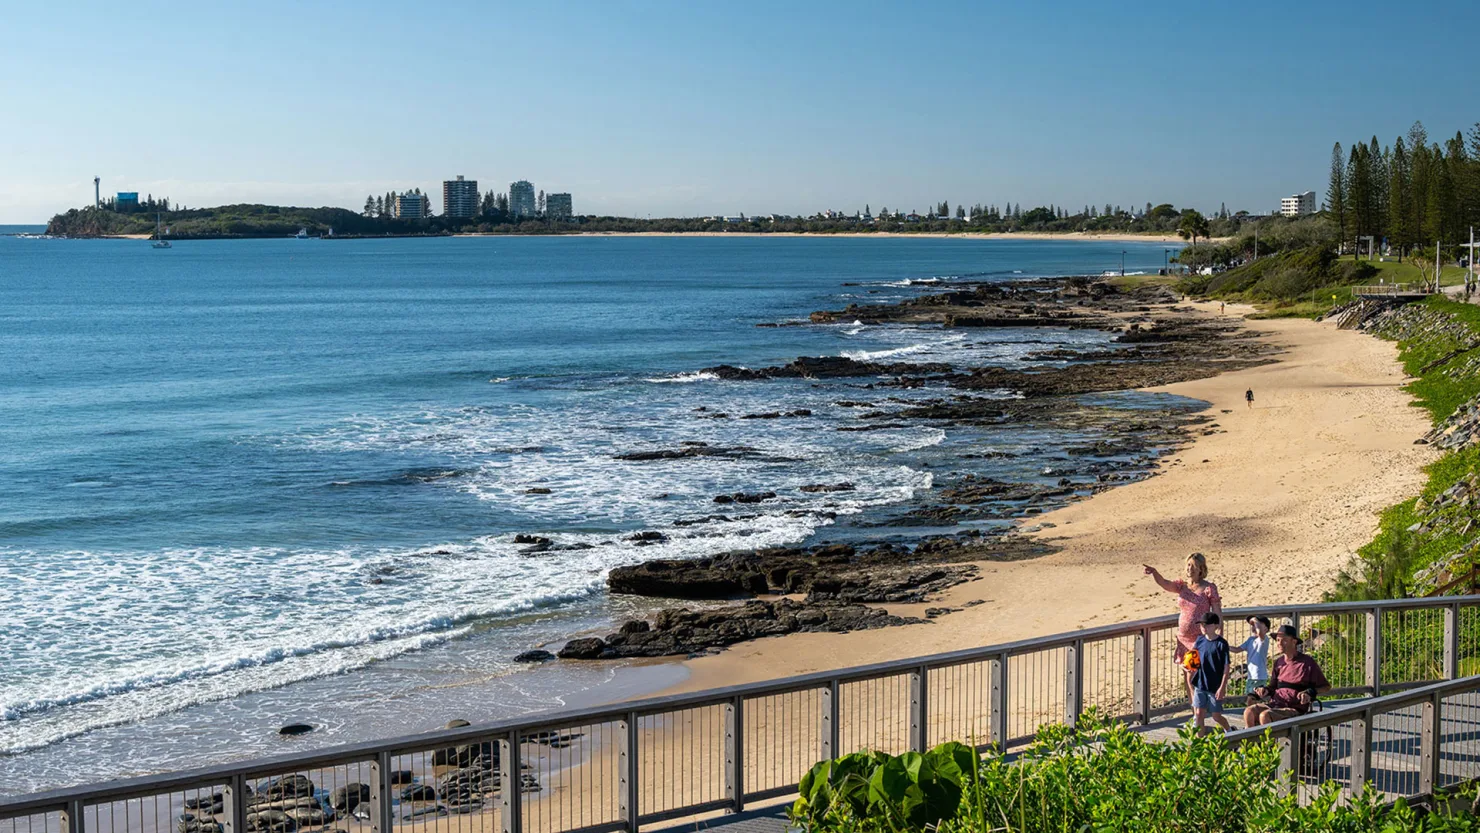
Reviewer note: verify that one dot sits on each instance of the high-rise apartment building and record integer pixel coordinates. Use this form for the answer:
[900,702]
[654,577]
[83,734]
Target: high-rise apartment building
[521,199]
[459,197]
[413,206]
[557,207]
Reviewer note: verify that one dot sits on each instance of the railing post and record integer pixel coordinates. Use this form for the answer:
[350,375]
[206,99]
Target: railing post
[1286,775]
[1373,664]
[627,785]
[920,709]
[71,818]
[381,797]
[998,699]
[234,804]
[1451,642]
[511,784]
[1361,756]
[830,724]
[1142,696]
[1430,745]
[1074,682]
[735,753]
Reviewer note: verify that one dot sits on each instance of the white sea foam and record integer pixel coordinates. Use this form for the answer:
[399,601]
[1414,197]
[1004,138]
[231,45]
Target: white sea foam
[869,355]
[922,439]
[685,378]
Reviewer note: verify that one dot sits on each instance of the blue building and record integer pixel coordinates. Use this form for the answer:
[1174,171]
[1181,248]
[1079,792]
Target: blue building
[126,201]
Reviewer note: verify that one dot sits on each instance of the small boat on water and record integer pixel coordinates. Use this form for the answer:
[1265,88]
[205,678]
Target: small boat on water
[159,241]
[302,234]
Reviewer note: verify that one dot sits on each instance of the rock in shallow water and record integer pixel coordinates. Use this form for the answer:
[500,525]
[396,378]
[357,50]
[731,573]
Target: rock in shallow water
[535,656]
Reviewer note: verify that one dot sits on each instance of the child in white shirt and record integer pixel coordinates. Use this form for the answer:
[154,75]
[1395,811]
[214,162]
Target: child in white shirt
[1256,649]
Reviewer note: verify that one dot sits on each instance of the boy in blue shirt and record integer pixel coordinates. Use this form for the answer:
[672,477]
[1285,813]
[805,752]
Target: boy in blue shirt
[1210,678]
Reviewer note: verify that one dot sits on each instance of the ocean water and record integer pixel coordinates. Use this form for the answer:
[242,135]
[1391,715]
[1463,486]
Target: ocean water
[249,482]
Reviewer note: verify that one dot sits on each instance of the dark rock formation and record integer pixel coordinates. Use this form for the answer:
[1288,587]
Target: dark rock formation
[682,631]
[744,497]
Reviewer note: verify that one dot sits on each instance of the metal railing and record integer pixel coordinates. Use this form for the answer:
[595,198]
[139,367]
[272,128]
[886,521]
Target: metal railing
[639,764]
[1394,289]
[1409,744]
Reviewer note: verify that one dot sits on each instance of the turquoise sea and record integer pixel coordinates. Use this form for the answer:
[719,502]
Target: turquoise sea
[253,482]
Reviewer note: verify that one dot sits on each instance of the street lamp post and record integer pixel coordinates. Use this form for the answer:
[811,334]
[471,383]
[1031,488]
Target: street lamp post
[1166,261]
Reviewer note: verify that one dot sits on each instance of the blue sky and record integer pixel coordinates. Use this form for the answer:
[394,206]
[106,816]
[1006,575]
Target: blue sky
[706,107]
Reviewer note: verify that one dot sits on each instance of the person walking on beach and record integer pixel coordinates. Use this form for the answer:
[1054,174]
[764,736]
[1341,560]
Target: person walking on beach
[1249,397]
[1195,597]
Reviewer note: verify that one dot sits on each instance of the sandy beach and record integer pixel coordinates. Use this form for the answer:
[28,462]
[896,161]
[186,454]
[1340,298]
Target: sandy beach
[1278,499]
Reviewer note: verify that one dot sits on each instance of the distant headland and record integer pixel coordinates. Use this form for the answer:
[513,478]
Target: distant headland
[149,217]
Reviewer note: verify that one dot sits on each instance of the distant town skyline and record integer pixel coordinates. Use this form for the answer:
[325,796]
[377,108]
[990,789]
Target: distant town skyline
[671,109]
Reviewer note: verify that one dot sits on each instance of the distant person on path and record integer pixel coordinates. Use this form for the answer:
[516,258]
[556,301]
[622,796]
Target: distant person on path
[1221,305]
[1249,397]
[1210,678]
[1256,653]
[1195,597]
[1298,681]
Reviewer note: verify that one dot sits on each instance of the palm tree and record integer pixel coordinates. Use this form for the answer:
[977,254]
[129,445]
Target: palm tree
[1193,225]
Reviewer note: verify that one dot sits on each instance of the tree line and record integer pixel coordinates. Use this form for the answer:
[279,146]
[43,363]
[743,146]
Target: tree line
[1410,194]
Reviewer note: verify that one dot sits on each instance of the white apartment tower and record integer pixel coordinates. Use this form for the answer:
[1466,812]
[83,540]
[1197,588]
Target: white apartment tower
[521,199]
[1298,205]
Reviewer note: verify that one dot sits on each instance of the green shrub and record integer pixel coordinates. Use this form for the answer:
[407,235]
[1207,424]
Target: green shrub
[1099,776]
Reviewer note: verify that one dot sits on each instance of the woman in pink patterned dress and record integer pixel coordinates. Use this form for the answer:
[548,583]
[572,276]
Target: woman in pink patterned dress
[1195,596]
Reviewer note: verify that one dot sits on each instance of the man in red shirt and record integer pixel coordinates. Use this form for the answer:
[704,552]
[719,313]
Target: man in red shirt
[1294,686]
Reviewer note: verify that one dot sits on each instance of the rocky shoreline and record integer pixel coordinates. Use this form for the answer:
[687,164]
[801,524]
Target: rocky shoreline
[839,587]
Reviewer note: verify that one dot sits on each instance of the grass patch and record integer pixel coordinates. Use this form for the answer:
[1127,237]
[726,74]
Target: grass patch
[1138,281]
[1408,272]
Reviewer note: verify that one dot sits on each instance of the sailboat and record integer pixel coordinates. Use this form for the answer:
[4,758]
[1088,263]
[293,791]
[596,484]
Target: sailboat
[159,241]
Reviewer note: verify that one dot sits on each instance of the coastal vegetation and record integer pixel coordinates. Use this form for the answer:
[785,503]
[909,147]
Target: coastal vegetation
[1099,775]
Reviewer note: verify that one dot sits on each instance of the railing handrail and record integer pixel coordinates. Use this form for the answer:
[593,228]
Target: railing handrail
[1391,289]
[1342,712]
[219,774]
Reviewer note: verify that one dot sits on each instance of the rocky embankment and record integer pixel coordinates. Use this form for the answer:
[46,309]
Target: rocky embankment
[756,593]
[1445,521]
